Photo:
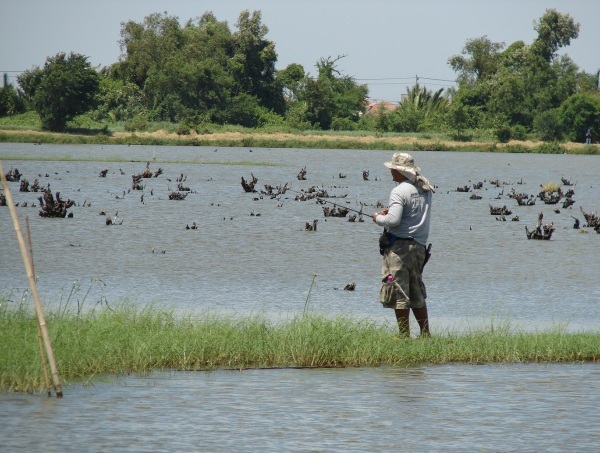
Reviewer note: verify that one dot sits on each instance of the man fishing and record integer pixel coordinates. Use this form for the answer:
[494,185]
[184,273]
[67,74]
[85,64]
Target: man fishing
[404,243]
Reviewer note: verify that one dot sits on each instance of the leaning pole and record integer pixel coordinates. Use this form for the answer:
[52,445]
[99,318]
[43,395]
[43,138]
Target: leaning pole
[30,276]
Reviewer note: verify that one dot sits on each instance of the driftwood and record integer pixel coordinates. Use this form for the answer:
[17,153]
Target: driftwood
[541,231]
[177,195]
[249,185]
[52,207]
[566,182]
[500,210]
[522,198]
[275,191]
[24,186]
[13,175]
[137,182]
[568,202]
[302,174]
[311,226]
[593,221]
[335,212]
[551,197]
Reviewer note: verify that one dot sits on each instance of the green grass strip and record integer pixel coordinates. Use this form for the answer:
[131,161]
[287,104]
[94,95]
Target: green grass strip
[129,339]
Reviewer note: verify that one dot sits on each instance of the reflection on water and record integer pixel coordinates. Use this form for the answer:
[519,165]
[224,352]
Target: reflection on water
[251,254]
[445,408]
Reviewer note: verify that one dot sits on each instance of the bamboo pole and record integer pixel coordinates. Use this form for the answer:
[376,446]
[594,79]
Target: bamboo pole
[32,285]
[39,331]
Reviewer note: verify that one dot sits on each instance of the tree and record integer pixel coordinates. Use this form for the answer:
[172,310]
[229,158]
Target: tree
[64,88]
[421,109]
[10,101]
[482,63]
[578,114]
[253,62]
[555,30]
[331,95]
[516,85]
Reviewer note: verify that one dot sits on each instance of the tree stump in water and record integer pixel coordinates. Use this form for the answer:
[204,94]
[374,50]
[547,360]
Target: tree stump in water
[541,231]
[54,207]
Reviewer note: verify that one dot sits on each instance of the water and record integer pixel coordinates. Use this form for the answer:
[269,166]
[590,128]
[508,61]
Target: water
[252,254]
[239,262]
[520,408]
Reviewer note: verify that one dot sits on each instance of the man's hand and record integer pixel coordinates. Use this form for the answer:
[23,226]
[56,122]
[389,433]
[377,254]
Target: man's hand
[383,212]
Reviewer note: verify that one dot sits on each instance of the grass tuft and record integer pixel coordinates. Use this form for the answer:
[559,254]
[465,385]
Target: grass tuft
[127,338]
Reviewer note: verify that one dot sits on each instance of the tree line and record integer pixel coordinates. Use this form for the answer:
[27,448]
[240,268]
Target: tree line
[203,73]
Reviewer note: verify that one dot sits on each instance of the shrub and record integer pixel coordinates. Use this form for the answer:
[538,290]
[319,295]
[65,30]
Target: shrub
[548,125]
[139,123]
[503,133]
[519,132]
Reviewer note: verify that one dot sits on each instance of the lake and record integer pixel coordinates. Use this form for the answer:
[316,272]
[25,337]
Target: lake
[252,254]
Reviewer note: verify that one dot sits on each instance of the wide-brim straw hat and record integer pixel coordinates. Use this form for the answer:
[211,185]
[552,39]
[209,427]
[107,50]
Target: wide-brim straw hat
[405,164]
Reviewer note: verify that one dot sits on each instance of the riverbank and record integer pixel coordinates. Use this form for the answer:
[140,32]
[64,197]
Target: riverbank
[129,339]
[311,139]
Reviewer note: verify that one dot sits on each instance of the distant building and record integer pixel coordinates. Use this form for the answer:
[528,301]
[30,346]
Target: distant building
[375,107]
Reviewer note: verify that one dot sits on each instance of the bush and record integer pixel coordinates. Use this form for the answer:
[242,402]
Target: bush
[503,133]
[548,126]
[551,148]
[139,123]
[519,132]
[577,114]
[343,124]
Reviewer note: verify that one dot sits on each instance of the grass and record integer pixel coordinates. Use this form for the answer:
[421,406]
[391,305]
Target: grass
[129,338]
[26,128]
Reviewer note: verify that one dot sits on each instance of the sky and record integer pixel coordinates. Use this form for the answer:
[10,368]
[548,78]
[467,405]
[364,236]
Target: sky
[386,44]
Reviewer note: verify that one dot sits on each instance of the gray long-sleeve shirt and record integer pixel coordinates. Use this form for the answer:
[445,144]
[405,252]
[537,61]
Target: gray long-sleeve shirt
[409,212]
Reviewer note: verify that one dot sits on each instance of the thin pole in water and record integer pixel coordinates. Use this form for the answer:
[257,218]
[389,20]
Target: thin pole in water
[39,331]
[36,297]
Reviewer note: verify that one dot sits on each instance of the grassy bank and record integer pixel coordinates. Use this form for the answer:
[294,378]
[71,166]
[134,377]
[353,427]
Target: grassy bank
[131,339]
[239,137]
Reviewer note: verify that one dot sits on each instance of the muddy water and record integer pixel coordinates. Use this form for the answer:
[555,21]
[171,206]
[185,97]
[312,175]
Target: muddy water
[520,408]
[252,254]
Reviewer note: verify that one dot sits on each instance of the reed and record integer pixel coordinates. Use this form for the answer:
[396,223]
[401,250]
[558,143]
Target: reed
[129,338]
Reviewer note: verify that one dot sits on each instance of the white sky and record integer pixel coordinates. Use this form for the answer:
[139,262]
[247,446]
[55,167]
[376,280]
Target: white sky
[383,39]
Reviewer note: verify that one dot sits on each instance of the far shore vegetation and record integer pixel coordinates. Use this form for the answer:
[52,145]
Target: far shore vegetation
[202,83]
[238,136]
[133,339]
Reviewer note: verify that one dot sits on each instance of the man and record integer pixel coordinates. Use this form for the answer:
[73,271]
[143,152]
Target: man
[406,223]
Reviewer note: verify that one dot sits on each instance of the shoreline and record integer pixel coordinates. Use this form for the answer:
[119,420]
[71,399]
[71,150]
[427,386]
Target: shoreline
[293,140]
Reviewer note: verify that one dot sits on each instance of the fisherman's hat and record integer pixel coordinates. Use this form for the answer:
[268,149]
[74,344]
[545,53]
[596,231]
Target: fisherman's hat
[405,164]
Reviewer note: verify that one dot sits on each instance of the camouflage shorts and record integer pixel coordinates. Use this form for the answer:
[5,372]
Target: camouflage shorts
[403,261]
